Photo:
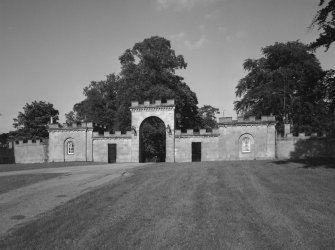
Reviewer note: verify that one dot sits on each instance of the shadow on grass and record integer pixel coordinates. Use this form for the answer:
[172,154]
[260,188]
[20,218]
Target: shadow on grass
[318,162]
[30,166]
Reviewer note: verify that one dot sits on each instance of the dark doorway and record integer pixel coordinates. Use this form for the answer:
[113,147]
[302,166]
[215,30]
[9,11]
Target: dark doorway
[112,153]
[196,151]
[152,140]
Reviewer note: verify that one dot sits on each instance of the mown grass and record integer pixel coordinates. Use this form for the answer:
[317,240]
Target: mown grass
[11,182]
[216,205]
[29,166]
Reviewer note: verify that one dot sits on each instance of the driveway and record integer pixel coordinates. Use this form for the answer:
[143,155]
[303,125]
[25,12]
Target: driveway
[22,204]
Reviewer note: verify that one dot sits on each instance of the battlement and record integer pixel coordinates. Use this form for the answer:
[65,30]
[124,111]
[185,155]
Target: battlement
[303,136]
[158,103]
[116,134]
[76,125]
[202,132]
[31,142]
[249,120]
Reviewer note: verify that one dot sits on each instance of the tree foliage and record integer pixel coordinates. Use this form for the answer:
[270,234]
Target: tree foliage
[32,122]
[325,22]
[287,82]
[148,72]
[329,84]
[99,105]
[207,113]
[4,138]
[152,139]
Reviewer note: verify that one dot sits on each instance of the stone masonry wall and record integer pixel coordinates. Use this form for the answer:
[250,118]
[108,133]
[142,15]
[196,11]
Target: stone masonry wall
[209,145]
[31,152]
[123,146]
[297,147]
[262,146]
[80,135]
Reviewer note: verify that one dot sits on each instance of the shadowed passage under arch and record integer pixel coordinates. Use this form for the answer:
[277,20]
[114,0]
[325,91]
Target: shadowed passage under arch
[152,140]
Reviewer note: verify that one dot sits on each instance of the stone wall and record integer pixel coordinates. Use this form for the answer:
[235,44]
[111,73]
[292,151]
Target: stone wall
[123,146]
[79,134]
[209,145]
[298,147]
[31,152]
[225,143]
[262,136]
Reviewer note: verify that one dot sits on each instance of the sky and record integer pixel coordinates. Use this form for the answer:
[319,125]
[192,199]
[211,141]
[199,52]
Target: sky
[50,50]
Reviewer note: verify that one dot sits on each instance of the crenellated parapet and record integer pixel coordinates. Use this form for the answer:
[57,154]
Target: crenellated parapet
[76,126]
[304,136]
[192,133]
[147,106]
[116,134]
[31,142]
[228,121]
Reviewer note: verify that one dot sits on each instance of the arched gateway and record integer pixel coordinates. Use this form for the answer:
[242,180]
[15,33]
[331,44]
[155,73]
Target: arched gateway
[164,111]
[242,139]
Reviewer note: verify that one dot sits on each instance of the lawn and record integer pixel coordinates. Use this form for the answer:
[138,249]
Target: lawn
[11,182]
[28,166]
[212,205]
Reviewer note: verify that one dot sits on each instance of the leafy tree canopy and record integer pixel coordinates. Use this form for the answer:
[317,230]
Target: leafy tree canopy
[325,22]
[32,122]
[4,138]
[99,105]
[287,82]
[207,113]
[148,72]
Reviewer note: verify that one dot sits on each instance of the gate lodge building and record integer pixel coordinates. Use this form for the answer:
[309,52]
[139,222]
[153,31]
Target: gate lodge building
[233,140]
[242,139]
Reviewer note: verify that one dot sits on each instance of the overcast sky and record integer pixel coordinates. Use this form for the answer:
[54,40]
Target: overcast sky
[51,49]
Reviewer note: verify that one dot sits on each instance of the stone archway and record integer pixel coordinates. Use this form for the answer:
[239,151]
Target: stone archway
[152,136]
[165,112]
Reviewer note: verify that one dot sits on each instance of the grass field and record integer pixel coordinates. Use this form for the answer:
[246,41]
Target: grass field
[212,205]
[11,182]
[29,166]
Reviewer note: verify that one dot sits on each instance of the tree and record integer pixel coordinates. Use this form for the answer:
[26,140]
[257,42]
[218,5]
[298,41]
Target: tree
[99,105]
[329,84]
[325,22]
[208,113]
[287,82]
[72,117]
[32,123]
[148,72]
[4,138]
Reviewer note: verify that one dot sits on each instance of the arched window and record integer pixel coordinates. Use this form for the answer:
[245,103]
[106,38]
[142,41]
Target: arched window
[70,148]
[246,145]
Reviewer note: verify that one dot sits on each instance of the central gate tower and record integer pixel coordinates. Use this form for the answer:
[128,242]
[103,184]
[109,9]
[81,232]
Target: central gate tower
[165,112]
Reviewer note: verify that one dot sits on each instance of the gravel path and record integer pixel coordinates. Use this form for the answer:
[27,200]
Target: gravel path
[22,204]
